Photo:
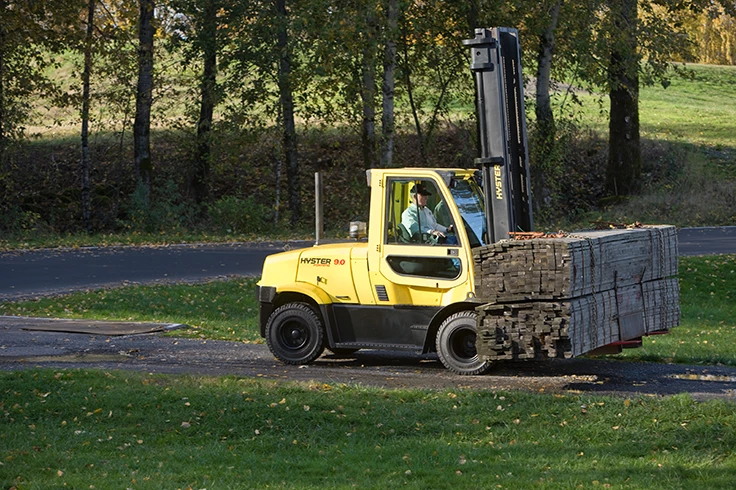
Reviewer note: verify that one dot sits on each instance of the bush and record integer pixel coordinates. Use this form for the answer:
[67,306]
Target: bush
[163,210]
[234,215]
[17,221]
[568,175]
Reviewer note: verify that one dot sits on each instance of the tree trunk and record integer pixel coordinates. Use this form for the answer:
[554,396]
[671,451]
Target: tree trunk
[86,73]
[412,102]
[545,128]
[3,136]
[144,98]
[368,91]
[545,118]
[624,152]
[286,99]
[389,83]
[472,14]
[208,38]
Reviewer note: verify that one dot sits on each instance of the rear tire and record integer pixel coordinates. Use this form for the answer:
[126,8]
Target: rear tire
[294,334]
[456,345]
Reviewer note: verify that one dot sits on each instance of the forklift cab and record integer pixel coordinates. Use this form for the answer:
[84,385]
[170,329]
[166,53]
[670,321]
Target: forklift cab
[465,195]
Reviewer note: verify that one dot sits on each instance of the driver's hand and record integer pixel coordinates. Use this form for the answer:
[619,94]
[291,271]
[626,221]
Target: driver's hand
[438,233]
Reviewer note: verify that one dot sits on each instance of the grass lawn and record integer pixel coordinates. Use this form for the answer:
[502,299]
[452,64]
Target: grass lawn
[694,109]
[34,240]
[99,430]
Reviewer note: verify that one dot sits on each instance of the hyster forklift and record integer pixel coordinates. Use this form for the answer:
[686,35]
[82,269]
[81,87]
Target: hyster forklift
[410,285]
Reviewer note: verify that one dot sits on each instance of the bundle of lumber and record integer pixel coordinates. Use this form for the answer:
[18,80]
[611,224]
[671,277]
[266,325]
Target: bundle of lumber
[566,296]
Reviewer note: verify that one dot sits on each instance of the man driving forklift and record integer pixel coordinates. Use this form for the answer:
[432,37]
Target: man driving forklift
[419,219]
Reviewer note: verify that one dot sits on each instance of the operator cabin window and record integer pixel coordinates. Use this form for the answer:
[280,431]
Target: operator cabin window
[418,216]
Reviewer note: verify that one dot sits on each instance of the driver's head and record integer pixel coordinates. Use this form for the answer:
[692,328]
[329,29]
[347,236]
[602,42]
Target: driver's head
[420,194]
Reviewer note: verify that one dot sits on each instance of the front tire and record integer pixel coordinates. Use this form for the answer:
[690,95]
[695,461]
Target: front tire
[294,334]
[456,345]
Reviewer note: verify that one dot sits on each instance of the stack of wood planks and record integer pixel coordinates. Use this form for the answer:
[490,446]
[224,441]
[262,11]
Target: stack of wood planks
[563,297]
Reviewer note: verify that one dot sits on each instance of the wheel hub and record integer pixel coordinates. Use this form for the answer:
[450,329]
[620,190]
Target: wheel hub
[464,344]
[294,335]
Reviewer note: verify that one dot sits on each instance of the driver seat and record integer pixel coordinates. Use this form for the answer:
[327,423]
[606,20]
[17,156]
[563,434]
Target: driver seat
[404,235]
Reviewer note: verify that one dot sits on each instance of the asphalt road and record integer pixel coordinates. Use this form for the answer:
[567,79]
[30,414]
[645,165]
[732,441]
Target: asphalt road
[707,241]
[34,273]
[28,274]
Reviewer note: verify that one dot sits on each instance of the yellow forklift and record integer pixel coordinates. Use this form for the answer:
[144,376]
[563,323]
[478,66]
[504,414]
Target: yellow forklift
[410,284]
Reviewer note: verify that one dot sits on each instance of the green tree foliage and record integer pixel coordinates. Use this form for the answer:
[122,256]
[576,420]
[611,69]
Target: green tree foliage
[29,31]
[274,74]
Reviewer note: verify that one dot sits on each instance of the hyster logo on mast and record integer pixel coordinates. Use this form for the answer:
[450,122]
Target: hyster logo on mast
[498,181]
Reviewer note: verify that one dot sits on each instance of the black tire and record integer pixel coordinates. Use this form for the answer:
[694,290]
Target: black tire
[456,345]
[294,334]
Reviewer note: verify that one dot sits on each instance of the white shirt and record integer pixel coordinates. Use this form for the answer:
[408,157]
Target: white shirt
[411,220]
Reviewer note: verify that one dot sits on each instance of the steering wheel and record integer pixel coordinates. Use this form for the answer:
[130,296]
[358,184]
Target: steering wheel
[433,239]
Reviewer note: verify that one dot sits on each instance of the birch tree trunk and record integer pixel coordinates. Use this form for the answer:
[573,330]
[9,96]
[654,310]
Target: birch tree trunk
[201,177]
[86,74]
[389,83]
[144,98]
[286,99]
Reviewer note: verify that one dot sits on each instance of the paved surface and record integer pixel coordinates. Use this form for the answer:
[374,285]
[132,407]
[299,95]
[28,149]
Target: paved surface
[155,353]
[707,241]
[29,274]
[33,273]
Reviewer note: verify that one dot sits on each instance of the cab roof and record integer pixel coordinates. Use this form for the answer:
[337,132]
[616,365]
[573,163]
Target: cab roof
[444,173]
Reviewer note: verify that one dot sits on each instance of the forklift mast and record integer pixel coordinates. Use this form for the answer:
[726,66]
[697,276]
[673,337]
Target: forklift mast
[504,158]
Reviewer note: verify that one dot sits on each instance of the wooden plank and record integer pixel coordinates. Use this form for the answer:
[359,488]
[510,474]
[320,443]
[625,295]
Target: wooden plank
[564,297]
[572,327]
[577,265]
